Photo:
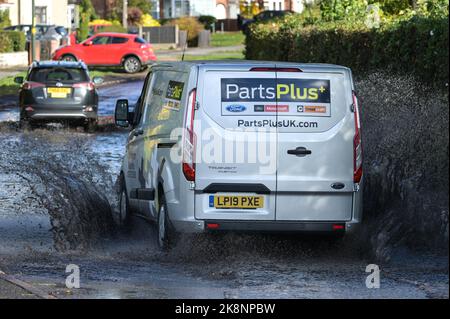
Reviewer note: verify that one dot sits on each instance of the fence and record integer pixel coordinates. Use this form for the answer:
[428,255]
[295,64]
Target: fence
[161,35]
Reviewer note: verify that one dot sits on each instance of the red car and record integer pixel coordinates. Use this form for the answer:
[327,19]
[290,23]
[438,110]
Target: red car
[110,49]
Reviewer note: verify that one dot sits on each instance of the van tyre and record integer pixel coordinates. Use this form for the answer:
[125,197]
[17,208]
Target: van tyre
[132,64]
[166,233]
[123,218]
[25,125]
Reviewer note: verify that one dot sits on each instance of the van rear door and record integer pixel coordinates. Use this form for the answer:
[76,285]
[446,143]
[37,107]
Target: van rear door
[315,145]
[232,181]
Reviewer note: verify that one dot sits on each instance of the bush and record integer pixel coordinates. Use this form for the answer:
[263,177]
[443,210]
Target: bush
[12,41]
[18,39]
[5,43]
[113,28]
[148,21]
[207,21]
[417,45]
[191,25]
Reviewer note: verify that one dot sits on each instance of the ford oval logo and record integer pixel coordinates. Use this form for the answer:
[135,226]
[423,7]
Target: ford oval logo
[236,108]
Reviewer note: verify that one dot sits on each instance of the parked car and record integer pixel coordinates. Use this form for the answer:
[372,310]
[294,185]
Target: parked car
[308,114]
[262,17]
[58,91]
[42,30]
[110,49]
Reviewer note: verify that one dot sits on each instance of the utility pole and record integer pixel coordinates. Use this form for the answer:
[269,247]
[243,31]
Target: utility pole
[33,32]
[125,14]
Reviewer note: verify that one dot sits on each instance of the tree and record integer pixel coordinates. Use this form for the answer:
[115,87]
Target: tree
[134,15]
[4,19]
[87,7]
[87,13]
[144,5]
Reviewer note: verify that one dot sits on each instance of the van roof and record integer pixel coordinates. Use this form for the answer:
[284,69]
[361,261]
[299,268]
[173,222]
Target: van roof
[241,63]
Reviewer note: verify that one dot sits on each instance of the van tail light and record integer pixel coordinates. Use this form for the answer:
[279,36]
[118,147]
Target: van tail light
[89,86]
[357,144]
[189,139]
[32,85]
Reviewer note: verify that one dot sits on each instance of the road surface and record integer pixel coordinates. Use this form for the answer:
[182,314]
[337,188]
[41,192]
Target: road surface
[45,176]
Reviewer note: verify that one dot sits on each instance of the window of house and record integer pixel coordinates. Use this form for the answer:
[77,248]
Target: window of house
[41,15]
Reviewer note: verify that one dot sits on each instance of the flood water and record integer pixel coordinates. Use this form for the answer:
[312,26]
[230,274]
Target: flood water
[57,190]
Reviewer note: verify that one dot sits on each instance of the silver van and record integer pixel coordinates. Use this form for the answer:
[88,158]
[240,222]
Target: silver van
[243,146]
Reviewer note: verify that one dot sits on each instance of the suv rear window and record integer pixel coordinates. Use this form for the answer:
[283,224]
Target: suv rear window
[119,40]
[140,40]
[71,75]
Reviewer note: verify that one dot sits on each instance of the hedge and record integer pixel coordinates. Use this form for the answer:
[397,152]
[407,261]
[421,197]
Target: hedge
[12,41]
[418,45]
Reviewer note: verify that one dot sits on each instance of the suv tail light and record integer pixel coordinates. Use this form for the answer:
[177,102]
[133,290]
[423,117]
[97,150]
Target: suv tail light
[357,144]
[32,85]
[89,86]
[189,139]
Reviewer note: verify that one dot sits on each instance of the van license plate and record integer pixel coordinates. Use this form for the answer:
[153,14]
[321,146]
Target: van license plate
[240,202]
[59,93]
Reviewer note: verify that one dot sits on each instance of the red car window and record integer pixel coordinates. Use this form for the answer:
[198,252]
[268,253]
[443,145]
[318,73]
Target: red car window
[119,40]
[101,40]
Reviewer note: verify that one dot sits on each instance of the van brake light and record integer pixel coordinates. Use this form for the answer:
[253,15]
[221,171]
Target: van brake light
[263,69]
[189,139]
[357,144]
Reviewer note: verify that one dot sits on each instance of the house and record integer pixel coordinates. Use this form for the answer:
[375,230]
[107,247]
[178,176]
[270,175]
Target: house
[221,9]
[46,12]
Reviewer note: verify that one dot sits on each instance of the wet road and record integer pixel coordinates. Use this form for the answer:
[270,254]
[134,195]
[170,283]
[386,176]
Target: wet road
[45,176]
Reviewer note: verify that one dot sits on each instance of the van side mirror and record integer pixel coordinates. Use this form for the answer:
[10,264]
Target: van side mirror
[122,113]
[87,43]
[19,80]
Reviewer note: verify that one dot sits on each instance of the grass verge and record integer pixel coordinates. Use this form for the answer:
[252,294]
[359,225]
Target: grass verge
[227,39]
[231,55]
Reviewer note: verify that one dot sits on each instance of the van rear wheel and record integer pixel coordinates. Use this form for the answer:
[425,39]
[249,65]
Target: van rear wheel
[166,233]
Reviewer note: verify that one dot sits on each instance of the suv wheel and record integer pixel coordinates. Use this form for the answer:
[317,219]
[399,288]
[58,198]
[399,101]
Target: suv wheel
[90,126]
[25,125]
[132,65]
[166,233]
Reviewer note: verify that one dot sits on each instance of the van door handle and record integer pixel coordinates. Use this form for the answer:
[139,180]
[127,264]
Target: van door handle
[300,152]
[138,131]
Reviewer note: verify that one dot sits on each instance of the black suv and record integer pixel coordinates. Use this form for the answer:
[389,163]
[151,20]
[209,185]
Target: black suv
[58,91]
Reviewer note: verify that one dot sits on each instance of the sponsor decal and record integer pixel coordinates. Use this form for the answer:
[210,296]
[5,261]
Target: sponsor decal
[275,90]
[276,108]
[271,108]
[175,90]
[312,109]
[235,108]
[259,108]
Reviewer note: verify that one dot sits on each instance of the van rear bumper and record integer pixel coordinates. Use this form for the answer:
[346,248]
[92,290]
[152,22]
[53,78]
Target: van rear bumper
[280,226]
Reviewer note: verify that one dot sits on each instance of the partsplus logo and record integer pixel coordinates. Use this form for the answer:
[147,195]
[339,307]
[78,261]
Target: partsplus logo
[236,108]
